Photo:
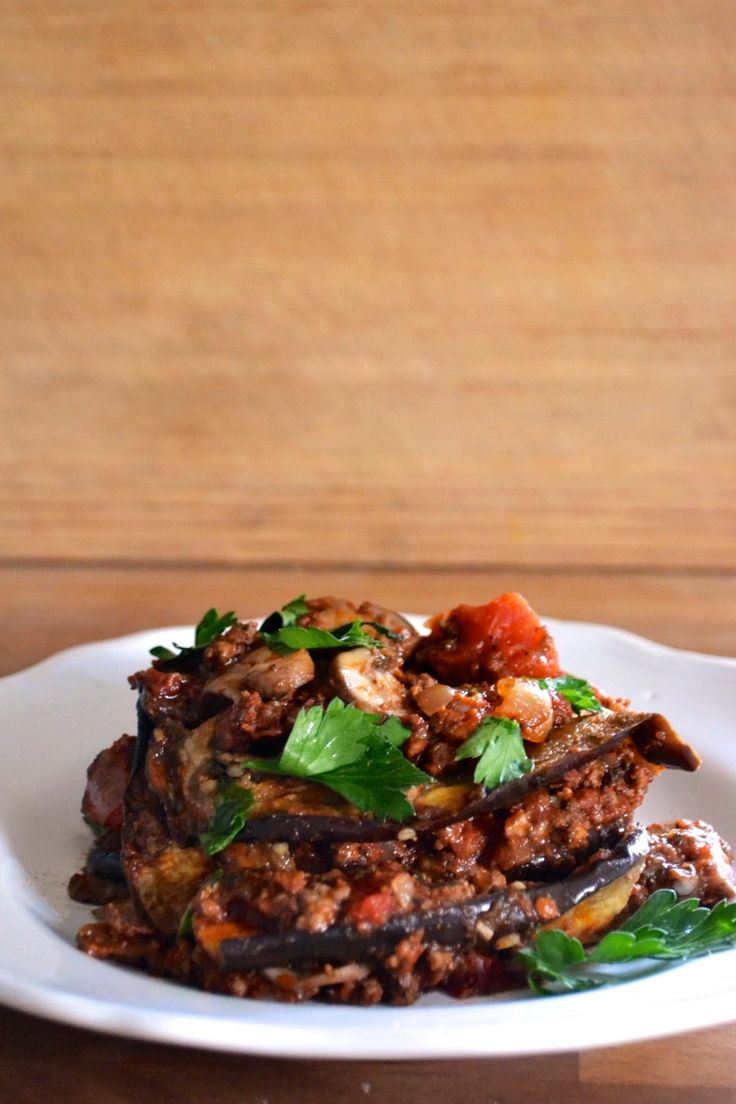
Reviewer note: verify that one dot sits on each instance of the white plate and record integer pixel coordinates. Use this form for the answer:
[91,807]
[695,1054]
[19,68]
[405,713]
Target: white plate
[57,715]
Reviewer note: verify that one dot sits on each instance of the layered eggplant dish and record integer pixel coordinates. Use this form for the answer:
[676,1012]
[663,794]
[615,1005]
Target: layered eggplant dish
[332,805]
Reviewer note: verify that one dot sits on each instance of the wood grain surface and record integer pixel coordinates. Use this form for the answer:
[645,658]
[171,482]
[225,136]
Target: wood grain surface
[443,274]
[47,608]
[412,301]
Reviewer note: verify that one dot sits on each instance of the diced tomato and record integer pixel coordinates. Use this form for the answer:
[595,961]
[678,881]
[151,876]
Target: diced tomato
[372,910]
[107,777]
[504,637]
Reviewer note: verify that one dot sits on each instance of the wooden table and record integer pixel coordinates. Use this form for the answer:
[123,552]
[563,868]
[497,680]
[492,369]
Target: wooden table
[412,301]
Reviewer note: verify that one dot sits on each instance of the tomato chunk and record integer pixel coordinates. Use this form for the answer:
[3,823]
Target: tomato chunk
[371,902]
[503,638]
[373,911]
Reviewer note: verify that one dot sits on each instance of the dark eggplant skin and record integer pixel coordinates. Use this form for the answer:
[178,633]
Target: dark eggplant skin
[145,731]
[459,926]
[570,747]
[105,864]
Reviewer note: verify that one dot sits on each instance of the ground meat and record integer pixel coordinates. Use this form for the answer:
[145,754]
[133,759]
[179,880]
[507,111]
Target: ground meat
[120,934]
[555,825]
[690,857]
[452,712]
[352,855]
[416,745]
[405,980]
[465,841]
[248,720]
[438,758]
[168,694]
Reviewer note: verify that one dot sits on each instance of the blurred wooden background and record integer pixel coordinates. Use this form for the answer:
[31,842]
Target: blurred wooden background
[416,301]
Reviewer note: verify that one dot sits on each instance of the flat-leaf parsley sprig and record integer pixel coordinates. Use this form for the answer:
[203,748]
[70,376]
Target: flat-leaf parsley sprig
[579,693]
[356,754]
[287,615]
[499,748]
[662,932]
[209,628]
[282,634]
[232,805]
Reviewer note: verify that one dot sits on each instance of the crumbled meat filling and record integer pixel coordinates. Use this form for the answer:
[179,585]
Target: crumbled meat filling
[557,824]
[690,857]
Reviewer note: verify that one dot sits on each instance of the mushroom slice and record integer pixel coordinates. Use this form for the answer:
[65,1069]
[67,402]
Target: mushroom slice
[328,613]
[362,677]
[270,674]
[390,619]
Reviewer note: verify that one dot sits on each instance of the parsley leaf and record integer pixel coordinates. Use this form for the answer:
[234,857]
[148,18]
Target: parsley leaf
[231,811]
[282,634]
[663,931]
[211,625]
[498,744]
[376,782]
[353,753]
[323,739]
[577,691]
[186,926]
[209,628]
[290,638]
[287,615]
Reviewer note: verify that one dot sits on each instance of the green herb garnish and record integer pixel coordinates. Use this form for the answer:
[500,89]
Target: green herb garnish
[352,635]
[186,927]
[232,806]
[208,629]
[211,625]
[663,931]
[282,634]
[353,753]
[499,748]
[287,615]
[577,691]
[159,652]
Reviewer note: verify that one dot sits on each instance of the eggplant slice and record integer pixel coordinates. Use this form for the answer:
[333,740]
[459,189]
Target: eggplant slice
[479,922]
[569,747]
